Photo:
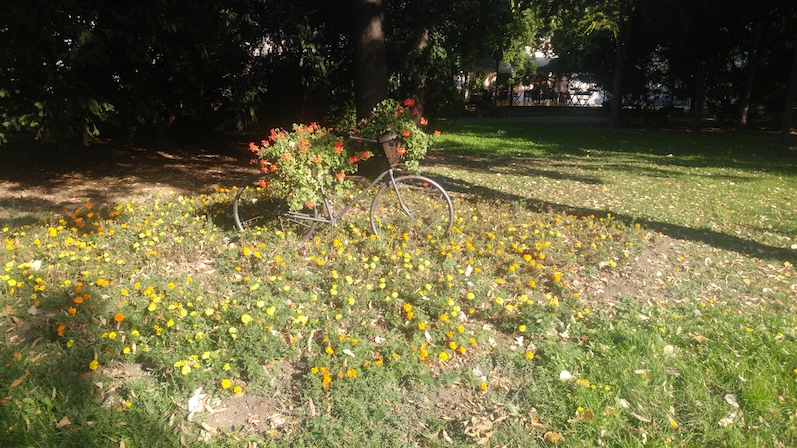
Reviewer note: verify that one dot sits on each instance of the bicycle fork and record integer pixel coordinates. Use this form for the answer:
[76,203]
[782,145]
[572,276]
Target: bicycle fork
[398,195]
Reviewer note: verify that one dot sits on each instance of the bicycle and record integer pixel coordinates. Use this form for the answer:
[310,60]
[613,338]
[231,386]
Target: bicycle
[411,206]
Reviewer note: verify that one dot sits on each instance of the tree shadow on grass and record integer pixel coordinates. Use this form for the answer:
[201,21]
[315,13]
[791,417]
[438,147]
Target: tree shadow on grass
[40,181]
[634,164]
[707,236]
[51,398]
[751,151]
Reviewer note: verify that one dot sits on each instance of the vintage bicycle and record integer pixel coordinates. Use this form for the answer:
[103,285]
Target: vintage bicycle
[413,207]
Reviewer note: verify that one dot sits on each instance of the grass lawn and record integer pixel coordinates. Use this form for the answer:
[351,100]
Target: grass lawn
[600,288]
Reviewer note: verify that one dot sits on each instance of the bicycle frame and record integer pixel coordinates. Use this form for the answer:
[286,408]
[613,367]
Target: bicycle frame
[333,218]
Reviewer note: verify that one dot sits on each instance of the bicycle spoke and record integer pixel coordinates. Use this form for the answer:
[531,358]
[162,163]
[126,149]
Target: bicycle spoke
[262,208]
[416,208]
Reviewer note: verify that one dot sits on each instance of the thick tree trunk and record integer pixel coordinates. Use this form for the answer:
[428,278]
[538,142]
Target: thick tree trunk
[617,95]
[623,38]
[370,59]
[791,95]
[699,99]
[752,61]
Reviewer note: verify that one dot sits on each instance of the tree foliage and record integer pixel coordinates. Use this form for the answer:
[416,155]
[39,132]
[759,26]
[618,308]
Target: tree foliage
[721,55]
[72,69]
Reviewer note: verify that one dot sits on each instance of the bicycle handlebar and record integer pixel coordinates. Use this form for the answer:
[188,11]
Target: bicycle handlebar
[380,140]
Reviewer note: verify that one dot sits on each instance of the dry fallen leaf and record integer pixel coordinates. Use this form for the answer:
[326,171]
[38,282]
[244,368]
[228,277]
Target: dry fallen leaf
[536,423]
[63,422]
[552,437]
[18,381]
[641,418]
[700,338]
[17,356]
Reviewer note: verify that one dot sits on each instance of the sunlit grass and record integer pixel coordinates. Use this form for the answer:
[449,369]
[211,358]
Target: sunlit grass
[500,333]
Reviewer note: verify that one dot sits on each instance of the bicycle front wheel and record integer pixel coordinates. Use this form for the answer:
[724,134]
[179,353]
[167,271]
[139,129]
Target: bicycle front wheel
[256,207]
[412,208]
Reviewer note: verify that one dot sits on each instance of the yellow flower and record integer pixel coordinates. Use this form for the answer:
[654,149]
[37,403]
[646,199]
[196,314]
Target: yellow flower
[185,370]
[522,328]
[443,356]
[112,335]
[246,319]
[530,355]
[94,364]
[483,387]
[237,389]
[329,350]
[351,373]
[225,383]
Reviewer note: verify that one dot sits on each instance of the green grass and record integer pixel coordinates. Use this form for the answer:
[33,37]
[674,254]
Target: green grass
[654,267]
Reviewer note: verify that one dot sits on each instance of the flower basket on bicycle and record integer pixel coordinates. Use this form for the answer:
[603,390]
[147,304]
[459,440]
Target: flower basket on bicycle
[399,125]
[390,146]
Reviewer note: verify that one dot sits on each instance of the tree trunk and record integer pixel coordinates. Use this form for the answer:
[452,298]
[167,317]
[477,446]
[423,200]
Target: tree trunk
[699,99]
[623,37]
[370,59]
[752,61]
[791,95]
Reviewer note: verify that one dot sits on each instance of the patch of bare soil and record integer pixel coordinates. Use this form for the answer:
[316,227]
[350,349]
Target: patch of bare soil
[651,277]
[274,415]
[37,181]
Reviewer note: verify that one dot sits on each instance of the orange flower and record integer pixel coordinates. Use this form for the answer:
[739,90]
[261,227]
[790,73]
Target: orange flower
[309,204]
[78,300]
[366,155]
[354,159]
[262,183]
[405,132]
[286,157]
[401,150]
[317,159]
[252,147]
[72,310]
[118,317]
[409,102]
[61,329]
[424,121]
[437,133]
[340,176]
[339,146]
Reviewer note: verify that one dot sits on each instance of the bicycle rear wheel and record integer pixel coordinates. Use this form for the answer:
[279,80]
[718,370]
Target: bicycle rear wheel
[267,209]
[412,208]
